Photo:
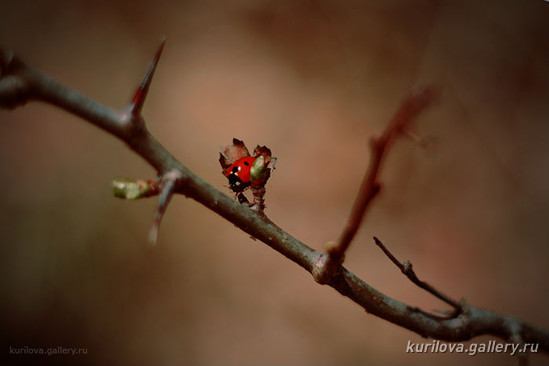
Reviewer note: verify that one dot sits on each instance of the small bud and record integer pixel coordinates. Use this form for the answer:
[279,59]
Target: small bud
[131,189]
[259,169]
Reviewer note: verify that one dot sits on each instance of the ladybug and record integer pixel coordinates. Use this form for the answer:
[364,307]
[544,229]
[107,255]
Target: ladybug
[239,174]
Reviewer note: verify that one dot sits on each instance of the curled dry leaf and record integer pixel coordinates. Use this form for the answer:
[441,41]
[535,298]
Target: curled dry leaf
[231,153]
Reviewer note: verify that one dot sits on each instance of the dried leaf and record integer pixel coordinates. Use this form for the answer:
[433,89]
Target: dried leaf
[231,153]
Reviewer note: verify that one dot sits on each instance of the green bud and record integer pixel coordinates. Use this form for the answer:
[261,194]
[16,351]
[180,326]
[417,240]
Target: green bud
[131,189]
[259,169]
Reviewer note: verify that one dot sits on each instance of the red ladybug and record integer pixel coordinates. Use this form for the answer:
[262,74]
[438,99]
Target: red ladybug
[239,174]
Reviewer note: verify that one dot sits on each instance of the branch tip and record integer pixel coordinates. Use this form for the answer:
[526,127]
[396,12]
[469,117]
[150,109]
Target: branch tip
[153,234]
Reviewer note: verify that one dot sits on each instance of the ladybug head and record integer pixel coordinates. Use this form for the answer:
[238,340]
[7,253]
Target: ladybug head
[236,184]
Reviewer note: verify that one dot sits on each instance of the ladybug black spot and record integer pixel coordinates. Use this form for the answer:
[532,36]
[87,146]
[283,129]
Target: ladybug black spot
[246,163]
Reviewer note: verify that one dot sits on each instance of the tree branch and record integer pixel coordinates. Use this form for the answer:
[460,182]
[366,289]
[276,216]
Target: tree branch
[20,83]
[408,271]
[370,187]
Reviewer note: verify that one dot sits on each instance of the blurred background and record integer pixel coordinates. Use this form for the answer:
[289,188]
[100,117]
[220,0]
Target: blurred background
[314,81]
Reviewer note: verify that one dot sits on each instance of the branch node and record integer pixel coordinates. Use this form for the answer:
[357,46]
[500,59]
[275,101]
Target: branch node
[328,264]
[15,89]
[407,266]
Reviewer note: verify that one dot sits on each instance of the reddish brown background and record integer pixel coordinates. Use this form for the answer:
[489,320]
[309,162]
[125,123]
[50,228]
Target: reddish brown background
[313,80]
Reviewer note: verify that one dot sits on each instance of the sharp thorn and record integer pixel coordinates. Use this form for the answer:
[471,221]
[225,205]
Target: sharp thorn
[141,93]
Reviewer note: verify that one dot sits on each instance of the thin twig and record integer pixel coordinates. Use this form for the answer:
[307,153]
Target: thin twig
[167,190]
[401,122]
[19,83]
[407,269]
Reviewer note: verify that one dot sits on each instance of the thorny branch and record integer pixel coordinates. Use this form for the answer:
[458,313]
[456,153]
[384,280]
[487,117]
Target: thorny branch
[20,83]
